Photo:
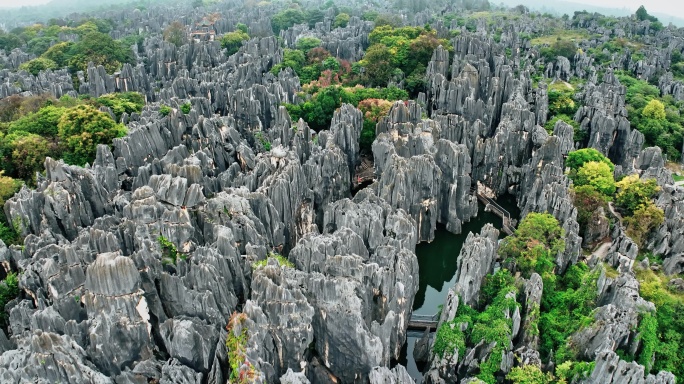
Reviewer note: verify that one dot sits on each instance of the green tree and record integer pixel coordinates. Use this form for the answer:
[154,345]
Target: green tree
[634,193]
[59,53]
[341,20]
[561,47]
[587,200]
[576,159]
[39,64]
[242,28]
[645,218]
[175,34]
[642,14]
[287,18]
[654,110]
[120,103]
[8,187]
[597,175]
[28,154]
[43,122]
[305,44]
[536,241]
[377,64]
[529,374]
[232,41]
[100,49]
[82,128]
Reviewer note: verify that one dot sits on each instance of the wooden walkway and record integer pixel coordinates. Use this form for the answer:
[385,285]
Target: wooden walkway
[364,172]
[508,225]
[420,322]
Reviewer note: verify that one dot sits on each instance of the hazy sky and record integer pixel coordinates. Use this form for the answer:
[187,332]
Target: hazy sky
[671,7]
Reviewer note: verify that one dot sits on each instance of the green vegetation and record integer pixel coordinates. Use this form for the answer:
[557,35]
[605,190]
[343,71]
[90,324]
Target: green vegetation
[319,109]
[186,108]
[170,253]
[9,290]
[658,118]
[81,129]
[662,333]
[282,260]
[576,159]
[567,305]
[490,325]
[94,45]
[232,41]
[263,140]
[597,175]
[164,110]
[587,200]
[534,246]
[241,370]
[176,33]
[36,127]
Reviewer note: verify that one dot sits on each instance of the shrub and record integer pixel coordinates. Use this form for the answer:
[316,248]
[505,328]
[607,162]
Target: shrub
[535,243]
[164,110]
[576,159]
[634,193]
[81,129]
[232,41]
[282,260]
[186,108]
[35,66]
[120,103]
[9,290]
[170,253]
[241,370]
[597,175]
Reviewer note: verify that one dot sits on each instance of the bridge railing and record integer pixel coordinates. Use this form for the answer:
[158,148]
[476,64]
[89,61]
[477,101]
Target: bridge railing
[494,206]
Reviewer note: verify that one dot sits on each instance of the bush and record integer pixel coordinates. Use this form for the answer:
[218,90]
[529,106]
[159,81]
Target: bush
[9,290]
[186,108]
[305,44]
[81,129]
[576,159]
[164,110]
[645,219]
[28,154]
[43,122]
[635,193]
[232,41]
[597,175]
[121,103]
[36,65]
[654,110]
[282,261]
[341,20]
[535,243]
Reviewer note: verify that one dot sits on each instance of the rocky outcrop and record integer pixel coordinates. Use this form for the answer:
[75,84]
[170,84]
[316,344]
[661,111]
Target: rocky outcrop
[475,261]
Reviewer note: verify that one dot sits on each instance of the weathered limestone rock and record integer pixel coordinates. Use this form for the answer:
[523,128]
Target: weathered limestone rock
[475,261]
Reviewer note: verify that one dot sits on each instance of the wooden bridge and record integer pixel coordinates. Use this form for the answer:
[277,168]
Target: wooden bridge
[508,223]
[420,322]
[365,172]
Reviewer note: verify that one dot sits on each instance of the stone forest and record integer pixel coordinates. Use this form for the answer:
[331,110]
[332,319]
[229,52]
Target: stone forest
[341,191]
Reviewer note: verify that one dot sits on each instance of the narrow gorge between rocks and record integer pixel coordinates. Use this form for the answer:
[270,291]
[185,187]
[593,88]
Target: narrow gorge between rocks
[437,268]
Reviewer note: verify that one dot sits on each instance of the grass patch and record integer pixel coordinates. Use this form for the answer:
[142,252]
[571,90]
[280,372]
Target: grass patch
[563,34]
[282,260]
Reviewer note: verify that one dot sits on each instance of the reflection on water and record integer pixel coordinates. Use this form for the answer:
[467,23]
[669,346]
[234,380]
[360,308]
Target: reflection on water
[437,263]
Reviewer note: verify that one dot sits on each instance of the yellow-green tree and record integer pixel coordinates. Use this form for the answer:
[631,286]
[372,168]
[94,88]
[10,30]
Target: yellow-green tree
[654,110]
[82,128]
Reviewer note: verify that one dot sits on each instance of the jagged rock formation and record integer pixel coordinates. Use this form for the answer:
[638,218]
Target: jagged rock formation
[132,266]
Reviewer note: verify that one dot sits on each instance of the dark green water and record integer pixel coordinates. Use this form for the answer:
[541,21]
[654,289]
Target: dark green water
[437,260]
[437,263]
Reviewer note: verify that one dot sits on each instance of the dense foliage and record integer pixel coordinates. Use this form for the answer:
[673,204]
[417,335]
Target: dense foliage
[658,118]
[319,110]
